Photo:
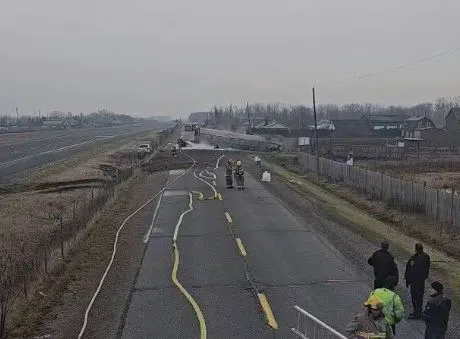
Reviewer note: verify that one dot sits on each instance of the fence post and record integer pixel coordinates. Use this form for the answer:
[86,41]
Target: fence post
[62,235]
[452,207]
[437,204]
[424,197]
[382,196]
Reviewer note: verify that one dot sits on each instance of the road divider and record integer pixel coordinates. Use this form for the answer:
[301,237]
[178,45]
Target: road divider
[219,196]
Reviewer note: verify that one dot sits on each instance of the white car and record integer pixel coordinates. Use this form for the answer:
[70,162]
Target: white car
[144,148]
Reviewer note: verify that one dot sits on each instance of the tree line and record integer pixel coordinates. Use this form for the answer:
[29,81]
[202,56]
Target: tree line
[301,116]
[101,117]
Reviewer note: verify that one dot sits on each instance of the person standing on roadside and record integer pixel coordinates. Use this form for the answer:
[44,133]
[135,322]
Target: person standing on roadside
[417,271]
[384,265]
[393,308]
[436,314]
[371,323]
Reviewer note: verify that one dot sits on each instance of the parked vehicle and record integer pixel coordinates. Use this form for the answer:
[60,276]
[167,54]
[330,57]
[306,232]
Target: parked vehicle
[144,148]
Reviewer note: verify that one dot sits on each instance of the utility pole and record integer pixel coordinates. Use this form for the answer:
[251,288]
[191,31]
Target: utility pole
[249,119]
[17,114]
[316,132]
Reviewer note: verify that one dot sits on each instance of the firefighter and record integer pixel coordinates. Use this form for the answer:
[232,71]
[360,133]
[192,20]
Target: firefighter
[228,174]
[239,175]
[371,324]
[393,308]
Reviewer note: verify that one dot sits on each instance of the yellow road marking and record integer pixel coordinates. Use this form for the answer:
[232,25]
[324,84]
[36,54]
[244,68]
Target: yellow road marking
[199,314]
[241,247]
[219,196]
[229,218]
[271,321]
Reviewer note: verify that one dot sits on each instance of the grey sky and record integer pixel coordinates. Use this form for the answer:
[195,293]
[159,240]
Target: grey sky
[174,56]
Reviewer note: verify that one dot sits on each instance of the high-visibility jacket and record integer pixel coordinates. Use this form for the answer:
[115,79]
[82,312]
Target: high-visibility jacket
[393,307]
[364,326]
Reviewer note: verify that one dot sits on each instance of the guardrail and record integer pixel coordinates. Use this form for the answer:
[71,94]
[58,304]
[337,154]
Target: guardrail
[310,327]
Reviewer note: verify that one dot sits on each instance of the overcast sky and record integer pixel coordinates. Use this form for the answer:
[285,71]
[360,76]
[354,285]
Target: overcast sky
[178,56]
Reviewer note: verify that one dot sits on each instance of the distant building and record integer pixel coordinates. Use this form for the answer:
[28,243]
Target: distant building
[414,127]
[453,119]
[351,128]
[386,125]
[272,127]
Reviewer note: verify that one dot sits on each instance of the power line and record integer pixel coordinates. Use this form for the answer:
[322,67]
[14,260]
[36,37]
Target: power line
[391,69]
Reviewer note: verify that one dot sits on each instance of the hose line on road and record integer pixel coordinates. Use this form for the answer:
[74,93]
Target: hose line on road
[196,308]
[115,244]
[207,183]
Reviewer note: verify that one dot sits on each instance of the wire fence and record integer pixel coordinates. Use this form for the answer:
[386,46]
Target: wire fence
[441,204]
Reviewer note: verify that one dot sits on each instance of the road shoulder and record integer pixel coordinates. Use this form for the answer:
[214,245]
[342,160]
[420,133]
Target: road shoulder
[354,232]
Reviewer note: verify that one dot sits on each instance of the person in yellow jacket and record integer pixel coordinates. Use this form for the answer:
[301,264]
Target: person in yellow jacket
[393,308]
[370,324]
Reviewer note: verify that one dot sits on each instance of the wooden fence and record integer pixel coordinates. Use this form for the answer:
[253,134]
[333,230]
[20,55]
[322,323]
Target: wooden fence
[440,204]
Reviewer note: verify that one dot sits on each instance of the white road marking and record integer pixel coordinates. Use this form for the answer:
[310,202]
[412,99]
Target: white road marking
[45,152]
[149,232]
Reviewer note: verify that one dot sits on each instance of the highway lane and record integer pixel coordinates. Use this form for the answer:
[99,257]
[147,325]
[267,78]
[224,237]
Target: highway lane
[24,151]
[286,260]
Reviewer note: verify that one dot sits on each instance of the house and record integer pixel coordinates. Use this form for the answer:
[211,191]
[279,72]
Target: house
[272,127]
[453,119]
[386,125]
[351,128]
[414,126]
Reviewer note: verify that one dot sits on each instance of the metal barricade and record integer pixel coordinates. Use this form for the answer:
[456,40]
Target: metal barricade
[310,327]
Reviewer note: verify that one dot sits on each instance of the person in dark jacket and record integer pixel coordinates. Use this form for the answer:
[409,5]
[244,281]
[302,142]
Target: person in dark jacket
[436,314]
[384,265]
[417,270]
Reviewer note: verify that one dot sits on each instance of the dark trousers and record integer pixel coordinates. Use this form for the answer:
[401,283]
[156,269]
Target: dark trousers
[417,289]
[434,332]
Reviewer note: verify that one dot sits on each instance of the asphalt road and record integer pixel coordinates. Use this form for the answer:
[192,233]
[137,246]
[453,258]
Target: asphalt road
[287,261]
[20,152]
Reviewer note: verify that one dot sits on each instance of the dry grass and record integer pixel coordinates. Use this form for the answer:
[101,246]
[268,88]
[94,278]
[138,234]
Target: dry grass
[439,173]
